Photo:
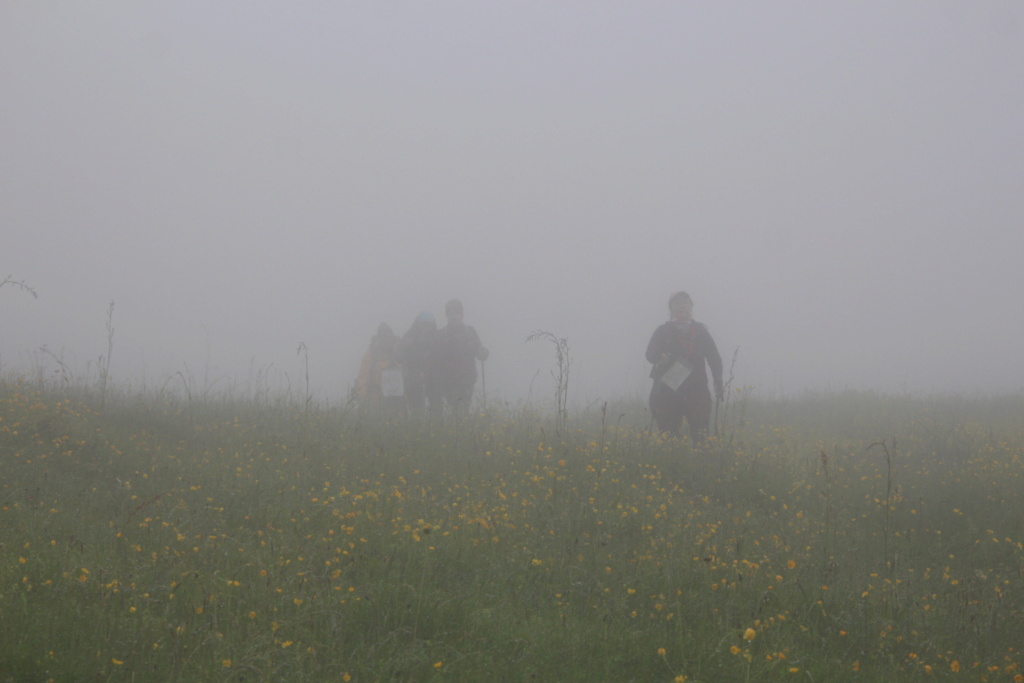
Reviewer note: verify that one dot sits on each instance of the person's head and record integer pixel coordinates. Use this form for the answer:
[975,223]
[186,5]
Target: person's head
[453,311]
[680,306]
[385,337]
[425,320]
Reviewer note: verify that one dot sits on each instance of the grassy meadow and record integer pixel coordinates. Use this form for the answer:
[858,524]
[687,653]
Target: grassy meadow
[831,537]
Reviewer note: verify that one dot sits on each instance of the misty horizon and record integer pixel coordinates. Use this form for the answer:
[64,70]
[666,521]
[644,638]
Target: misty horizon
[837,187]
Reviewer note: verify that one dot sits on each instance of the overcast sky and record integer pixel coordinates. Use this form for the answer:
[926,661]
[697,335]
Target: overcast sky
[840,187]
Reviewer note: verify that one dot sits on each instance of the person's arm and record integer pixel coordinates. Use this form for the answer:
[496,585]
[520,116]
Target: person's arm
[714,362]
[661,352]
[655,347]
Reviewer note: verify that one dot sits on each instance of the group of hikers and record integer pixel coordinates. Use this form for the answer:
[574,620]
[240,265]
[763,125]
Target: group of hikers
[429,368]
[425,369]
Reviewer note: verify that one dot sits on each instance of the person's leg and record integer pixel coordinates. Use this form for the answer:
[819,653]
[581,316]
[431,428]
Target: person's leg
[415,395]
[667,409]
[457,397]
[698,418]
[671,423]
[464,398]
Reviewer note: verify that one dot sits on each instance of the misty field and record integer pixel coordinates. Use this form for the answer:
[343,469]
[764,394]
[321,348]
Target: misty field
[833,537]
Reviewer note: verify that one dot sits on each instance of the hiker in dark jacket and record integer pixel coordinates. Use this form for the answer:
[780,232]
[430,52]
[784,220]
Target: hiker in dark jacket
[459,348]
[680,351]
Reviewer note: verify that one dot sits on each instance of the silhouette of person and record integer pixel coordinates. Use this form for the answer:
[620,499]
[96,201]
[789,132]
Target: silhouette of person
[419,353]
[680,350]
[459,348]
[380,374]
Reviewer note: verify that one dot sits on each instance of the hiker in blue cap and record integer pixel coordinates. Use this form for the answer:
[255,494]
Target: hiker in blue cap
[419,364]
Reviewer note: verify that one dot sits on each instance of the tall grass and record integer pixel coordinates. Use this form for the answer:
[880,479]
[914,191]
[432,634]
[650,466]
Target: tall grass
[192,539]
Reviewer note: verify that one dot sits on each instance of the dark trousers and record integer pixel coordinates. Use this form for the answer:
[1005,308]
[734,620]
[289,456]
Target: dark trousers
[670,407]
[458,394]
[422,393]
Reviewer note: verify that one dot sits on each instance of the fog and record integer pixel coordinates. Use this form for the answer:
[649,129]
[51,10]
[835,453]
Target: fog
[839,186]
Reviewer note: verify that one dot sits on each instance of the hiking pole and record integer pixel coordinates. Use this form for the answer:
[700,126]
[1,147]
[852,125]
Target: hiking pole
[718,408]
[483,381]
